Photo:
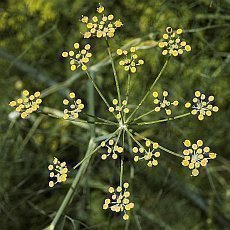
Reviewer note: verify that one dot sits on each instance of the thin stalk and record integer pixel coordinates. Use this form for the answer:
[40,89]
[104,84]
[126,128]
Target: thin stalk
[143,115]
[128,87]
[69,196]
[100,118]
[160,147]
[91,104]
[95,150]
[98,90]
[149,91]
[114,72]
[162,120]
[122,159]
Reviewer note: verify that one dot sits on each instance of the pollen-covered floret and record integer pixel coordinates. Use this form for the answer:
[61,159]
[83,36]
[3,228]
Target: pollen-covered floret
[78,58]
[58,172]
[172,43]
[130,59]
[101,25]
[119,109]
[27,104]
[74,107]
[119,200]
[163,103]
[112,149]
[149,152]
[196,156]
[202,105]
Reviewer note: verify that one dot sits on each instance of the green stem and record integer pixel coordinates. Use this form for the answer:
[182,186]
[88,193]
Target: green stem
[149,91]
[128,87]
[160,147]
[68,198]
[97,89]
[143,115]
[122,159]
[114,72]
[95,150]
[100,119]
[162,120]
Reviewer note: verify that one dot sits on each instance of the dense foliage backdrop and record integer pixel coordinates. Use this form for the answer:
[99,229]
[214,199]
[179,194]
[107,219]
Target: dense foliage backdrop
[33,35]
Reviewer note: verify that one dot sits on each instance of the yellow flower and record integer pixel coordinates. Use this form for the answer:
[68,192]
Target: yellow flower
[112,149]
[58,172]
[196,156]
[172,43]
[119,200]
[119,110]
[27,104]
[74,108]
[149,152]
[163,103]
[130,59]
[79,59]
[202,105]
[101,25]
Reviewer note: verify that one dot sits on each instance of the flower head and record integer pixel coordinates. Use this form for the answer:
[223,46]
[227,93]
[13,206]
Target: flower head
[172,43]
[112,149]
[80,58]
[130,60]
[196,156]
[163,103]
[74,108]
[119,109]
[27,104]
[119,201]
[148,153]
[202,105]
[58,172]
[101,25]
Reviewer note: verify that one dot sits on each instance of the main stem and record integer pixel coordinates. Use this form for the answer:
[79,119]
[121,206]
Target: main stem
[148,92]
[114,72]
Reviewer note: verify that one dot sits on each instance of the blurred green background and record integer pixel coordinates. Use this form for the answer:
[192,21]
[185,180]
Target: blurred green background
[33,36]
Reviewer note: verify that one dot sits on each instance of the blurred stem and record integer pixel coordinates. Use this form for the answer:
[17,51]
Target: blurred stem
[69,196]
[114,72]
[100,119]
[149,91]
[162,120]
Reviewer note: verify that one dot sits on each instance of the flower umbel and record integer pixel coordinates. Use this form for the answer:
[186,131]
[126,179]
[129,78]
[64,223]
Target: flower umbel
[196,156]
[172,44]
[101,25]
[130,60]
[80,58]
[202,105]
[163,103]
[119,201]
[112,149]
[119,109]
[74,108]
[27,104]
[148,153]
[58,172]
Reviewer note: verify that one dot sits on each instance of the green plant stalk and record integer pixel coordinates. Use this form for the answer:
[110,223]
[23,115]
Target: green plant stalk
[160,147]
[149,91]
[122,159]
[100,119]
[114,72]
[162,120]
[95,150]
[68,198]
[143,115]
